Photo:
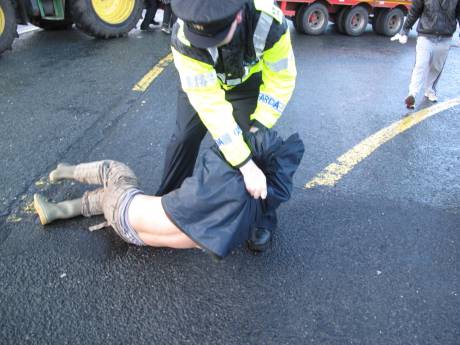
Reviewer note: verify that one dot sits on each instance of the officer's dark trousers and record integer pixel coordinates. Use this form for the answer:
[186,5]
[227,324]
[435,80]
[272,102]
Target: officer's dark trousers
[183,147]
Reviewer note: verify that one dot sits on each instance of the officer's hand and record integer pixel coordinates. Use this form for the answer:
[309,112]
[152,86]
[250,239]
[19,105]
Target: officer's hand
[400,37]
[254,179]
[253,129]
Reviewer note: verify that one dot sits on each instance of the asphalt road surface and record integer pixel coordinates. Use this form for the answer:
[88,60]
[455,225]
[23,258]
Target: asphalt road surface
[373,259]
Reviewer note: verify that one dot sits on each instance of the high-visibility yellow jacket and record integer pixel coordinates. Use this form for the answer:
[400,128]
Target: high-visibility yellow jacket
[261,44]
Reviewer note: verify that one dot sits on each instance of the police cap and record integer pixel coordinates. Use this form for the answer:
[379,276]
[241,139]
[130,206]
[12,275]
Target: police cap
[207,22]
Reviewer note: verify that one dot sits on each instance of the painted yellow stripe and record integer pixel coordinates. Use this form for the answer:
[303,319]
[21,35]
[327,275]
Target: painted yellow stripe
[345,163]
[145,82]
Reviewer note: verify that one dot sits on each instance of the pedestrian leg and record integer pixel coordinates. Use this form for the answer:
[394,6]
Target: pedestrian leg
[422,63]
[149,17]
[438,60]
[167,17]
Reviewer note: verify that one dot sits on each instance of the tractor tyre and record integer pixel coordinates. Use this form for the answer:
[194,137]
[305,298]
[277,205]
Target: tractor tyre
[313,19]
[390,22]
[8,25]
[106,19]
[355,21]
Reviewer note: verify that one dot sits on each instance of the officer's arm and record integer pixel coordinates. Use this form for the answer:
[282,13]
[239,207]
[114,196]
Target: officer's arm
[199,81]
[278,75]
[414,13]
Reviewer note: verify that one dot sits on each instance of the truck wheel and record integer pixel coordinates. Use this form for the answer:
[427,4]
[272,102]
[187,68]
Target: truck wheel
[390,22]
[339,21]
[106,19]
[313,19]
[355,21]
[8,25]
[298,19]
[377,15]
[295,22]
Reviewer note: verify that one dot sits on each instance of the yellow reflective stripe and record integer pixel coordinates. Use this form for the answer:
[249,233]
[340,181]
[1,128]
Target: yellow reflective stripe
[278,85]
[208,99]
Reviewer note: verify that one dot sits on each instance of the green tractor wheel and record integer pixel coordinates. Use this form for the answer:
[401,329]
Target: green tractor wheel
[106,19]
[8,25]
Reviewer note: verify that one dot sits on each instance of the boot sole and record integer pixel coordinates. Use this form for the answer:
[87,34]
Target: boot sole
[38,204]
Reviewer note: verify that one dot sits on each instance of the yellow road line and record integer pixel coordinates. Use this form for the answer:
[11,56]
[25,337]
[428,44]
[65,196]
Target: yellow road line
[145,82]
[345,163]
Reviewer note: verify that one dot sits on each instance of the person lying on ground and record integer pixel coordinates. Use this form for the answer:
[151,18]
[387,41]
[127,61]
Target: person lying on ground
[137,218]
[210,210]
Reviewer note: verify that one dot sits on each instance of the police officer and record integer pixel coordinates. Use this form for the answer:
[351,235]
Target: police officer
[237,73]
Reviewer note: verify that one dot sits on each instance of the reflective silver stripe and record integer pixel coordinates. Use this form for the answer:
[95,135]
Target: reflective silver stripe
[221,76]
[233,82]
[261,33]
[229,137]
[180,33]
[278,65]
[214,54]
[200,80]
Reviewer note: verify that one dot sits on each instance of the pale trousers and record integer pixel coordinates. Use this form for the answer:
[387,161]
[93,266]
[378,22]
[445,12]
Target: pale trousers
[431,55]
[119,186]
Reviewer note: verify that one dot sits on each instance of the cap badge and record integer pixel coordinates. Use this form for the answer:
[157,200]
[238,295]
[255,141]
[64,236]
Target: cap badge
[198,27]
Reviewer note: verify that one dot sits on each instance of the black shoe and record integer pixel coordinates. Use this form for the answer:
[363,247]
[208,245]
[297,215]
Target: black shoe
[260,239]
[155,23]
[145,27]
